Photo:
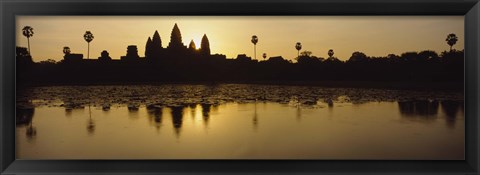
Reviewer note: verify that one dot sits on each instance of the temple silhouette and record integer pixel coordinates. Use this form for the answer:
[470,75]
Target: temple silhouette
[176,51]
[178,62]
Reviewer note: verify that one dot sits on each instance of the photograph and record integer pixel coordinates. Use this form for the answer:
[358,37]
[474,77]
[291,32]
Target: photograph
[239,87]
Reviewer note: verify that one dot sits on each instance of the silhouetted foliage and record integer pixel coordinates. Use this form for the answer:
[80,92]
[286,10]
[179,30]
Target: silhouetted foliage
[177,63]
[298,46]
[307,59]
[254,40]
[104,56]
[27,31]
[358,57]
[48,61]
[427,55]
[451,40]
[330,53]
[22,56]
[66,50]
[409,56]
[88,36]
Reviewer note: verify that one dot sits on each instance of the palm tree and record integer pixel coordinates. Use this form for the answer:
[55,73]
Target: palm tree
[28,32]
[255,41]
[66,50]
[330,53]
[298,46]
[88,36]
[264,55]
[451,40]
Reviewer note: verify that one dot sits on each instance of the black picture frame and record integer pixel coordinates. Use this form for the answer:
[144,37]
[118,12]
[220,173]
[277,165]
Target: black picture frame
[9,9]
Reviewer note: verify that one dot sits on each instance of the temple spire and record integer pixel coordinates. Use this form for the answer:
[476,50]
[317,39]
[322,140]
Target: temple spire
[205,45]
[148,48]
[156,41]
[175,38]
[192,46]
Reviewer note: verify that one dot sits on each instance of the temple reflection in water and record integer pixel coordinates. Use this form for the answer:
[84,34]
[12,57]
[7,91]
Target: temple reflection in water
[244,130]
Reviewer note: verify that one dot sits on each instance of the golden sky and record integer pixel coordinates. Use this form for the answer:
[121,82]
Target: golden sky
[230,35]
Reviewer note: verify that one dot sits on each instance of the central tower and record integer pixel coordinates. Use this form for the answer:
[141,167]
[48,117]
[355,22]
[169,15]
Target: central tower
[176,39]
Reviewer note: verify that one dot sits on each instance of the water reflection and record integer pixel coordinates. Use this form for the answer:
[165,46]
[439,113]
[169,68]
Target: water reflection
[177,117]
[422,108]
[429,109]
[106,107]
[425,110]
[230,135]
[90,122]
[299,113]
[133,107]
[91,126]
[155,112]
[206,109]
[71,106]
[319,123]
[255,117]
[193,111]
[25,118]
[451,108]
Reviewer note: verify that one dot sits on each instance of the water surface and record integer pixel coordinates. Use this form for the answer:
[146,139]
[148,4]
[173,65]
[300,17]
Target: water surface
[238,122]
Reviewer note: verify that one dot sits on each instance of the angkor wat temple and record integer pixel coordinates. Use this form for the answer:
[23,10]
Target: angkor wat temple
[154,52]
[179,63]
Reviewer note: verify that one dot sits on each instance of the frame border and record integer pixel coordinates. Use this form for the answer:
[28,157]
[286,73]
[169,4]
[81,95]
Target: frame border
[10,8]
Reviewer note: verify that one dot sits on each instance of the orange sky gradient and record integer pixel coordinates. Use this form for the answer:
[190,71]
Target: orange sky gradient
[230,35]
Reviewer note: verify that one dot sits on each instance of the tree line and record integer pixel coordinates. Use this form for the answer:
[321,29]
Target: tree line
[177,63]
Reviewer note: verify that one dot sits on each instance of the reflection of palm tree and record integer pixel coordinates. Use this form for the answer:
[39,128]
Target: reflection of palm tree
[91,122]
[28,32]
[298,46]
[255,41]
[91,126]
[451,40]
[88,36]
[299,112]
[31,130]
[255,116]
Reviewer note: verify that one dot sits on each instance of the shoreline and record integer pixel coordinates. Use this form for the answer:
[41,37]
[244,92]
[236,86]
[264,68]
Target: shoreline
[402,85]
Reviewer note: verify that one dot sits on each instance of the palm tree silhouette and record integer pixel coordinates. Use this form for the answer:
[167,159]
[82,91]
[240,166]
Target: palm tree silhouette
[28,32]
[298,46]
[264,56]
[66,50]
[451,40]
[330,53]
[255,41]
[88,36]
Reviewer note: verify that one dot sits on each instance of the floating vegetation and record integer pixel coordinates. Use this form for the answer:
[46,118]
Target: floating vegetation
[134,96]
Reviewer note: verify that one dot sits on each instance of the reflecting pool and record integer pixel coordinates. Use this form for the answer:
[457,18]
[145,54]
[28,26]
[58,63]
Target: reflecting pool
[313,127]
